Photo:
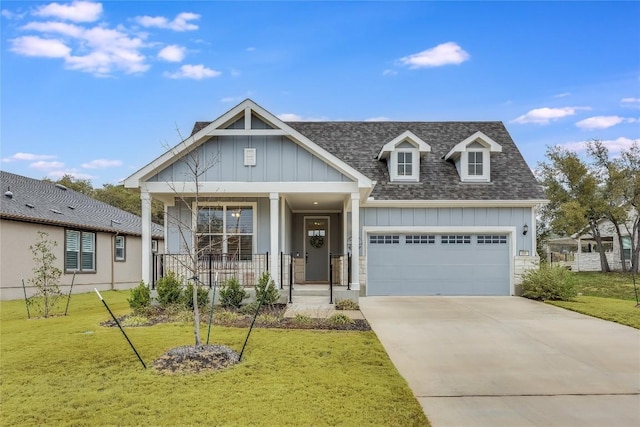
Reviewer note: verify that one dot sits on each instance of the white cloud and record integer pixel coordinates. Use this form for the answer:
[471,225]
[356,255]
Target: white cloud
[46,165]
[251,49]
[11,15]
[630,100]
[70,30]
[179,23]
[603,122]
[378,119]
[108,50]
[172,53]
[614,145]
[102,164]
[196,72]
[443,54]
[389,72]
[30,157]
[36,46]
[562,95]
[77,11]
[545,115]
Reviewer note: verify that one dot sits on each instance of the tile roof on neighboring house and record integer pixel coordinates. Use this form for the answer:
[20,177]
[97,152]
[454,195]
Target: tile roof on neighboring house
[44,202]
[358,144]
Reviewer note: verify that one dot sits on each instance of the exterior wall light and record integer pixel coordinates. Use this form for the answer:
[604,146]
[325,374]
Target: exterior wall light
[525,230]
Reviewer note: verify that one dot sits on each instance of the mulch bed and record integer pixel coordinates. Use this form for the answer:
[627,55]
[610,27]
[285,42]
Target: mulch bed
[195,359]
[269,317]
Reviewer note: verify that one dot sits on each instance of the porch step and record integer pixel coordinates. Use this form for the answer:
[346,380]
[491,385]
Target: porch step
[312,290]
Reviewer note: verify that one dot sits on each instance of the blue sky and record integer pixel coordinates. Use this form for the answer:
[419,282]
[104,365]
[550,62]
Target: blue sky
[98,90]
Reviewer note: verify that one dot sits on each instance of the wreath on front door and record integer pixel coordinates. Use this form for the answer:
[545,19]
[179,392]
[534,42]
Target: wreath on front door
[317,241]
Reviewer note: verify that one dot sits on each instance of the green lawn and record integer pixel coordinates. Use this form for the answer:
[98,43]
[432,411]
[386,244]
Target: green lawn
[606,285]
[71,371]
[609,296]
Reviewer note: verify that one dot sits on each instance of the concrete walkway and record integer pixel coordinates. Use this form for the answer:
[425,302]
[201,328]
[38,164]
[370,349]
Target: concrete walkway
[509,361]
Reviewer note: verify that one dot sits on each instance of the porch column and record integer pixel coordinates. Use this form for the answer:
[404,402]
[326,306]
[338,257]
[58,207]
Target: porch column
[145,197]
[274,251]
[355,241]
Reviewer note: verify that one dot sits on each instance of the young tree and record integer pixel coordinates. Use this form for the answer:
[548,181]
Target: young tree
[46,276]
[574,194]
[196,165]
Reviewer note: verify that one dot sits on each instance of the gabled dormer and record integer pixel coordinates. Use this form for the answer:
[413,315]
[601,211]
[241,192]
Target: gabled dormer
[403,155]
[472,157]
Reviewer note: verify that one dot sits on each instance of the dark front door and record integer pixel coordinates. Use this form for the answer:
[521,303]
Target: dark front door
[316,249]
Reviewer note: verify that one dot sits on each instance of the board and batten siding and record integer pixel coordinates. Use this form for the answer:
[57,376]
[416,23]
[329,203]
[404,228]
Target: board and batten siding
[278,159]
[175,242]
[454,217]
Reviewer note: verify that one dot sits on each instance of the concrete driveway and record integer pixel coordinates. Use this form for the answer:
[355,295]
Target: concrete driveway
[509,361]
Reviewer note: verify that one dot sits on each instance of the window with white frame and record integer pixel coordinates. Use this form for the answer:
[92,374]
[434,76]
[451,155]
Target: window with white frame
[79,251]
[455,240]
[405,164]
[475,163]
[492,240]
[420,239]
[384,239]
[225,229]
[119,250]
[626,247]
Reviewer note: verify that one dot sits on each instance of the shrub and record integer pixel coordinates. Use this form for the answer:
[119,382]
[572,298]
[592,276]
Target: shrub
[225,317]
[267,319]
[139,298]
[267,287]
[340,319]
[302,319]
[548,283]
[232,294]
[169,289]
[250,308]
[347,304]
[135,320]
[187,296]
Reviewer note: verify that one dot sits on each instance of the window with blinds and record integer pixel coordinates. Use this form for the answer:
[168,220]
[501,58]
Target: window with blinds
[80,251]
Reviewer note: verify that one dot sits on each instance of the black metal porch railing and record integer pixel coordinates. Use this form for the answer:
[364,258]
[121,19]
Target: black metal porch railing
[339,272]
[247,269]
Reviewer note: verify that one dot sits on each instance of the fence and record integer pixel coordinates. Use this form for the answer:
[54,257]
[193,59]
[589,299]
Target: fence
[227,266]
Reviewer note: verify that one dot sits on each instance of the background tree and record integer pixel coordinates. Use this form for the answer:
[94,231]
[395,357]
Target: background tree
[123,198]
[576,201]
[613,187]
[629,166]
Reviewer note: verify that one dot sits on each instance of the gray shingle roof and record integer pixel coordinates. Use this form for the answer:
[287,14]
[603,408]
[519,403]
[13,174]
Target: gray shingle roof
[45,203]
[358,144]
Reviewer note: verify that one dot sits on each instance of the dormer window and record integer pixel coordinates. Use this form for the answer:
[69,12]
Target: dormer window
[405,164]
[472,157]
[403,157]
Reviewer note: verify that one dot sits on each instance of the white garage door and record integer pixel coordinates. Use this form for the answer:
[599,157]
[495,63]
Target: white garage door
[438,264]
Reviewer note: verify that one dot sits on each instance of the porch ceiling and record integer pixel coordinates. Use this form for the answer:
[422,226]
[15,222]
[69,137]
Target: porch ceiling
[315,201]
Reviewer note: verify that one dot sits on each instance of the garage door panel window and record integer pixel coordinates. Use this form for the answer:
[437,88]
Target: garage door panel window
[500,240]
[456,240]
[384,240]
[421,239]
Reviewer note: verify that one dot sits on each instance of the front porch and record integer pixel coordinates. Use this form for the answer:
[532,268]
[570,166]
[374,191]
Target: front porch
[216,269]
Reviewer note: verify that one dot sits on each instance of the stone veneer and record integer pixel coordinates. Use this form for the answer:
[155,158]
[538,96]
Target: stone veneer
[521,265]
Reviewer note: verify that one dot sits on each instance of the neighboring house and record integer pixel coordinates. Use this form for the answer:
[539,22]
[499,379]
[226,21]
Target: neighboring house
[431,208]
[97,241]
[580,251]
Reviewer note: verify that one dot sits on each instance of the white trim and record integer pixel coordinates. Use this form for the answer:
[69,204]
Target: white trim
[145,202]
[355,241]
[533,229]
[136,179]
[509,230]
[483,139]
[409,136]
[371,203]
[247,132]
[274,236]
[249,189]
[304,241]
